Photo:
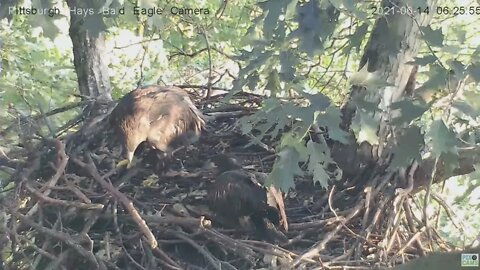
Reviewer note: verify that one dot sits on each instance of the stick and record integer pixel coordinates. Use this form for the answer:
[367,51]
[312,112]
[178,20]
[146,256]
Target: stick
[90,167]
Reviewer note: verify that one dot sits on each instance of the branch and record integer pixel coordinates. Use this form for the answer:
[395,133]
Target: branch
[61,236]
[319,246]
[62,164]
[90,168]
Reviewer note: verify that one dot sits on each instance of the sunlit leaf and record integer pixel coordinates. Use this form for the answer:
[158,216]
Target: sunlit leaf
[332,120]
[437,79]
[284,170]
[369,80]
[319,158]
[351,6]
[50,29]
[365,128]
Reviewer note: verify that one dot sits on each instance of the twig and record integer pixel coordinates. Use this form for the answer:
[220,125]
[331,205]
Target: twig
[64,203]
[63,160]
[427,197]
[409,242]
[119,233]
[61,236]
[335,214]
[319,246]
[90,167]
[208,256]
[47,114]
[210,65]
[449,211]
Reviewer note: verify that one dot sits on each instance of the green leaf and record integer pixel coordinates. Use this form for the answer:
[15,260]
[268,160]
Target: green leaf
[465,108]
[315,26]
[433,37]
[5,7]
[451,49]
[245,125]
[408,111]
[284,170]
[351,6]
[288,62]
[365,128]
[293,140]
[319,159]
[290,10]
[318,101]
[94,24]
[474,71]
[50,30]
[273,82]
[450,162]
[408,147]
[252,81]
[356,39]
[472,98]
[423,61]
[364,103]
[332,118]
[457,67]
[437,79]
[259,58]
[420,3]
[274,9]
[369,80]
[442,139]
[146,3]
[461,35]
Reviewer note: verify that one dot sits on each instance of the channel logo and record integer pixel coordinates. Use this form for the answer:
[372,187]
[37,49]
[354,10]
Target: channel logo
[469,260]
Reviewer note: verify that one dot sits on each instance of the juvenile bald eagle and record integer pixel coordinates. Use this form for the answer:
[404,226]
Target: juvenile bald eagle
[164,117]
[239,193]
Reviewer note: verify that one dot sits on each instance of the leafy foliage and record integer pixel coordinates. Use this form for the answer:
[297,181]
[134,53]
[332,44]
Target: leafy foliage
[301,54]
[442,139]
[409,146]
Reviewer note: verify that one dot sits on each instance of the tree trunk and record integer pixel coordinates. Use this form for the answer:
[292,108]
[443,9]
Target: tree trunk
[88,51]
[395,40]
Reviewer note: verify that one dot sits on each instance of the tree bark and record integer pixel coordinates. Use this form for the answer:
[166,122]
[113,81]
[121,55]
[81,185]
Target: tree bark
[395,40]
[88,52]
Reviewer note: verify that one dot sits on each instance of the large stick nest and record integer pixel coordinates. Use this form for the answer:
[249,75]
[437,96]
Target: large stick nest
[73,209]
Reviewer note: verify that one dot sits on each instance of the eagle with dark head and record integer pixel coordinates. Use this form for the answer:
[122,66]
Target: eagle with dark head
[238,193]
[164,117]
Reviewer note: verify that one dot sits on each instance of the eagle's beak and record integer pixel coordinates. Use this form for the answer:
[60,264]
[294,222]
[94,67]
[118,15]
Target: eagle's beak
[126,162]
[278,197]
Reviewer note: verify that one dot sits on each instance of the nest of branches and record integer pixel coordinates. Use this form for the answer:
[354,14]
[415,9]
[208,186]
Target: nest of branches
[73,209]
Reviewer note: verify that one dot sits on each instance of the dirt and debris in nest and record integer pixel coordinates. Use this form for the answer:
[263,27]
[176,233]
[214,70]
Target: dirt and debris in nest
[76,210]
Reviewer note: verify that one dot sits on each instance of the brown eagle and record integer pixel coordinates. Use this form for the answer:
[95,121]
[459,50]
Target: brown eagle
[238,193]
[164,117]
